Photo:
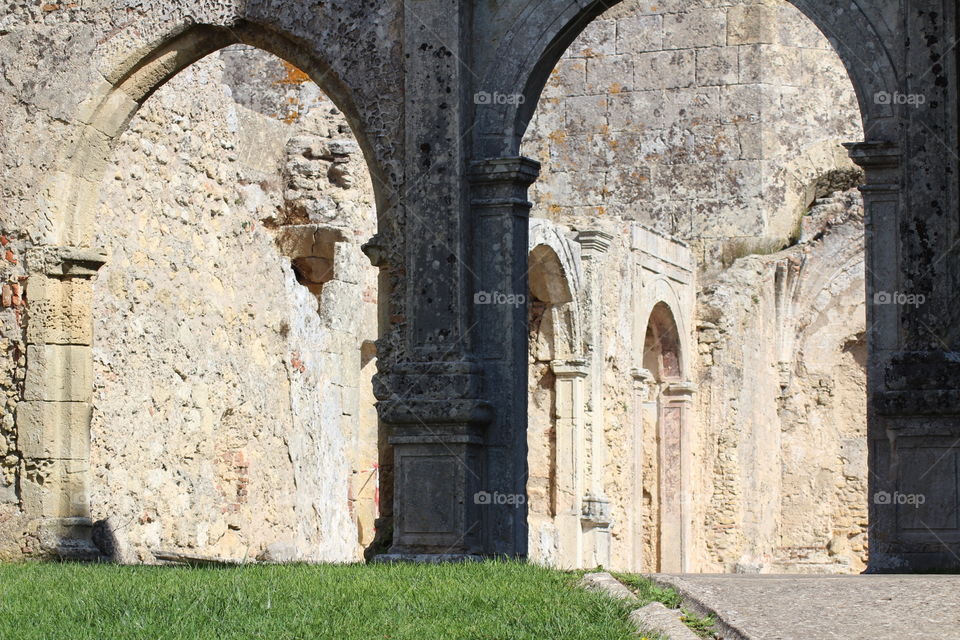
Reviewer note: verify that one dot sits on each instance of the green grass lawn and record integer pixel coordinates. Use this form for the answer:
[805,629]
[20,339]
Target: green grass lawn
[495,601]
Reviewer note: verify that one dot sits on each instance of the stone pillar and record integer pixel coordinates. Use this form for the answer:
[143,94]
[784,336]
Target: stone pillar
[914,412]
[53,421]
[500,216]
[596,516]
[571,440]
[676,412]
[429,387]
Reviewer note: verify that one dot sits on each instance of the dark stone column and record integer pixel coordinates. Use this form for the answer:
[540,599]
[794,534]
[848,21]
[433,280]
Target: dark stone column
[500,221]
[913,274]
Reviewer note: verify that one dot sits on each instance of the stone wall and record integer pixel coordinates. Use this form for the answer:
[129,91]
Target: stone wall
[13,360]
[708,123]
[233,321]
[230,320]
[721,126]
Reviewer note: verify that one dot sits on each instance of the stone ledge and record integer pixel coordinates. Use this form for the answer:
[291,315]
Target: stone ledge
[658,618]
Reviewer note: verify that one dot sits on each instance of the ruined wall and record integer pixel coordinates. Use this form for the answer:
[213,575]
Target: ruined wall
[13,352]
[703,122]
[225,414]
[783,400]
[229,321]
[720,125]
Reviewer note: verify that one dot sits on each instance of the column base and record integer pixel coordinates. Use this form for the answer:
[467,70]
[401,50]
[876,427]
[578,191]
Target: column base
[427,558]
[68,539]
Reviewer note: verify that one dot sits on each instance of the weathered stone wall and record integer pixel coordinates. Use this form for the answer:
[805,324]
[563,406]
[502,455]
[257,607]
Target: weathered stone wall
[232,410]
[782,403]
[708,123]
[13,354]
[719,125]
[230,320]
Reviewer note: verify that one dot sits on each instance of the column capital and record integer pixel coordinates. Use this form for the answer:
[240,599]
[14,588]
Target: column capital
[880,160]
[514,169]
[565,369]
[874,154]
[594,242]
[66,261]
[681,390]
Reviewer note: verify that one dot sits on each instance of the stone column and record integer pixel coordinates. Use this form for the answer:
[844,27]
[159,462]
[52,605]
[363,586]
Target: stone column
[429,387]
[914,412]
[596,516]
[53,421]
[642,399]
[571,440]
[500,222]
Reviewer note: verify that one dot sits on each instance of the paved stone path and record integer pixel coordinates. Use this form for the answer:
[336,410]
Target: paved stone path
[828,607]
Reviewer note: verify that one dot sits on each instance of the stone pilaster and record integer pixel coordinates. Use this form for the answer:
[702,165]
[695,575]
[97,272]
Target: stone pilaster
[913,271]
[676,435]
[53,421]
[571,377]
[596,515]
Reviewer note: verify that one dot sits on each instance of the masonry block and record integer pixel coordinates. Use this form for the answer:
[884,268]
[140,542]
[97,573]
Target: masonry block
[60,310]
[752,24]
[54,429]
[59,373]
[665,70]
[701,28]
[55,488]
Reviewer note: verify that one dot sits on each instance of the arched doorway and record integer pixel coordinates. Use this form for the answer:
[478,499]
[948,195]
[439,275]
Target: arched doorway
[555,438]
[667,408]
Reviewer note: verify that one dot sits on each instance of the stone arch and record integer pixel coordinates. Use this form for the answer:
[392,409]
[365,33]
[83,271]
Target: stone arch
[106,114]
[557,373]
[664,532]
[662,353]
[555,275]
[545,29]
[55,493]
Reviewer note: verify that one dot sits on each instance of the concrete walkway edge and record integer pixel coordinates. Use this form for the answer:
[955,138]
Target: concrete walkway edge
[697,606]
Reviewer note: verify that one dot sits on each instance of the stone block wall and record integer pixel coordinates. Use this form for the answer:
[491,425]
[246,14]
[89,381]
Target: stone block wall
[708,123]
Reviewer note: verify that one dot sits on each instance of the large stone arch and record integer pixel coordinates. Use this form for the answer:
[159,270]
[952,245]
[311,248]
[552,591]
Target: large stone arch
[105,114]
[544,30]
[128,67]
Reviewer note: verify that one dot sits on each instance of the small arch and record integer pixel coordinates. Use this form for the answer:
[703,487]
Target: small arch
[548,281]
[662,353]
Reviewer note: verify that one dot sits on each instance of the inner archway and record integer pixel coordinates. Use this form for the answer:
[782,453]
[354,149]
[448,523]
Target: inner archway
[666,409]
[708,143]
